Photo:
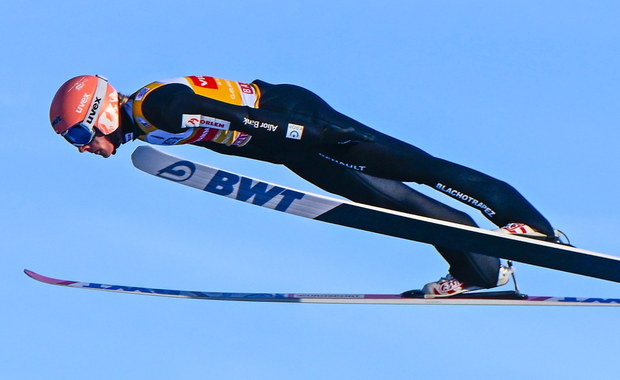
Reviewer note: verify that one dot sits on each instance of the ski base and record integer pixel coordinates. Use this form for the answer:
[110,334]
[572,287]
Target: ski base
[480,298]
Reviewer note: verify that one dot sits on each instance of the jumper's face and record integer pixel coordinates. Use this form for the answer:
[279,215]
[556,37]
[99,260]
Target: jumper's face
[99,145]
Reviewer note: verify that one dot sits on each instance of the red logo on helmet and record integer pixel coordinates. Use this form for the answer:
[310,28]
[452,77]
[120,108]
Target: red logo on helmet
[204,82]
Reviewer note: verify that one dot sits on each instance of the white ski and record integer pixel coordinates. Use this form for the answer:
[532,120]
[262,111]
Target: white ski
[375,219]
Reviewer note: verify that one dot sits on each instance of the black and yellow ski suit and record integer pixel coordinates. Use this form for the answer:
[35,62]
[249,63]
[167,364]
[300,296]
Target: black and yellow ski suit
[289,125]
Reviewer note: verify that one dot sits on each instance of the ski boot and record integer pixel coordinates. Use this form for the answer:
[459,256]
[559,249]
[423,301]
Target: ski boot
[522,229]
[449,286]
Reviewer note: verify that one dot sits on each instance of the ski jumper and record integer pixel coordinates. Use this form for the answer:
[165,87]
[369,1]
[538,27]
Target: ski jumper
[289,125]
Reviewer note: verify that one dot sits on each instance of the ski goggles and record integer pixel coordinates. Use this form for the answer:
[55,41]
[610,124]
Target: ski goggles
[84,132]
[79,135]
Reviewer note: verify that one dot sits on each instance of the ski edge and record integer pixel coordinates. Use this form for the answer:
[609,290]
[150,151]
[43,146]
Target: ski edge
[471,299]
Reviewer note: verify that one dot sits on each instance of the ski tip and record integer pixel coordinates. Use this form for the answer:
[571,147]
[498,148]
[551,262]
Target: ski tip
[45,279]
[30,273]
[38,277]
[141,150]
[134,155]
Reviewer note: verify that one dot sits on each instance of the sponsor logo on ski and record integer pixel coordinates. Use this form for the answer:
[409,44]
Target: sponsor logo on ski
[590,300]
[133,289]
[179,171]
[294,131]
[251,191]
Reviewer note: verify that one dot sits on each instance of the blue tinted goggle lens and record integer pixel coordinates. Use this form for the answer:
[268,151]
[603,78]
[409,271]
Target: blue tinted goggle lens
[79,135]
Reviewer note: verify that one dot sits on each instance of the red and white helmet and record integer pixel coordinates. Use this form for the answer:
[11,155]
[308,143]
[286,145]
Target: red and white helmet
[82,104]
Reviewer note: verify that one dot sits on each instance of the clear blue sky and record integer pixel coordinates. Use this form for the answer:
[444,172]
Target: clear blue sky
[527,91]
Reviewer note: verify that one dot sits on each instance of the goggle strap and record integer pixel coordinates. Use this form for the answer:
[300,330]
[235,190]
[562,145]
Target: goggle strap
[96,105]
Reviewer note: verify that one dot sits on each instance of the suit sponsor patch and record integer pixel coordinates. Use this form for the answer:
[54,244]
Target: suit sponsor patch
[202,121]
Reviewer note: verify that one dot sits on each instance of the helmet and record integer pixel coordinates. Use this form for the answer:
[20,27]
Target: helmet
[82,104]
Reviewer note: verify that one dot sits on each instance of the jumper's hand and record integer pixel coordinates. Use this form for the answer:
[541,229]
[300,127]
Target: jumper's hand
[333,134]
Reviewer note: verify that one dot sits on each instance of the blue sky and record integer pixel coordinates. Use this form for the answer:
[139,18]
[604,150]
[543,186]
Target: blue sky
[526,91]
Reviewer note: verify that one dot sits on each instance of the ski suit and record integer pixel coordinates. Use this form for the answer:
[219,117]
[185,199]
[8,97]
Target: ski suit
[289,125]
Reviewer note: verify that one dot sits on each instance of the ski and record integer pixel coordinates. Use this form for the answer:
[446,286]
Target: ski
[481,298]
[375,219]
